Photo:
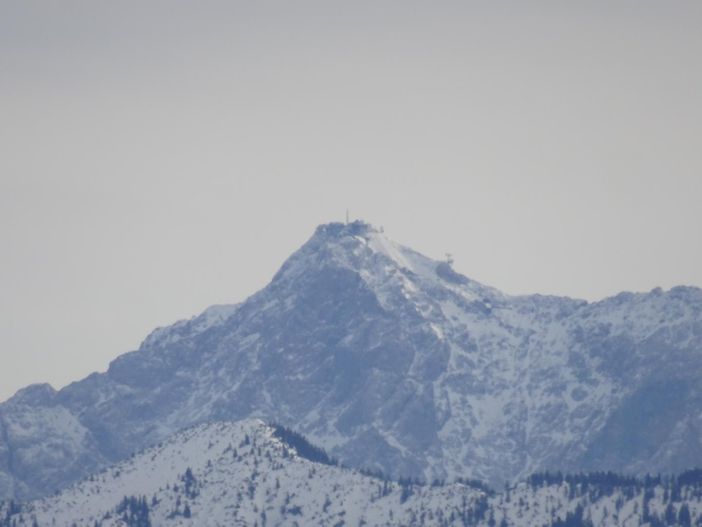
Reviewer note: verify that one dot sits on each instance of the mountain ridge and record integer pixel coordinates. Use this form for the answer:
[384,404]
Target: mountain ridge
[391,360]
[250,473]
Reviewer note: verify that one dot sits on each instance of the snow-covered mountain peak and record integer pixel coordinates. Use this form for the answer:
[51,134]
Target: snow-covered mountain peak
[385,266]
[391,360]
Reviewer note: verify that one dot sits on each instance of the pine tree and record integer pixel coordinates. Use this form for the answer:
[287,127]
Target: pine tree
[670,514]
[684,518]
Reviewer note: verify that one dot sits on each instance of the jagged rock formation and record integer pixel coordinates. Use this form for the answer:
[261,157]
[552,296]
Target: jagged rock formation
[391,360]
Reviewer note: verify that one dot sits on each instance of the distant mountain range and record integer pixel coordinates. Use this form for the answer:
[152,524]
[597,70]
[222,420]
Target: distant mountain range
[392,361]
[250,474]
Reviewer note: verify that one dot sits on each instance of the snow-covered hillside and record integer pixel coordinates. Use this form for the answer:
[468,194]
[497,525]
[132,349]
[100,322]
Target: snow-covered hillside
[393,361]
[226,474]
[251,474]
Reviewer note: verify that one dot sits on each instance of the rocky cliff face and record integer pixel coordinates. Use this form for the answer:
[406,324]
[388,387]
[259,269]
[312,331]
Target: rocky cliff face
[391,360]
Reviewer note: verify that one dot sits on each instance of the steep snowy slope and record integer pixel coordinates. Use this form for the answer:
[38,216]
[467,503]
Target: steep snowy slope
[391,360]
[250,474]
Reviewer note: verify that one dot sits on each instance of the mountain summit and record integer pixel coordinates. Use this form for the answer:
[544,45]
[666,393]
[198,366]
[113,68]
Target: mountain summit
[391,360]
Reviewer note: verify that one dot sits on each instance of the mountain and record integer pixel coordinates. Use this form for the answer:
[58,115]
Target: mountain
[249,474]
[393,361]
[239,474]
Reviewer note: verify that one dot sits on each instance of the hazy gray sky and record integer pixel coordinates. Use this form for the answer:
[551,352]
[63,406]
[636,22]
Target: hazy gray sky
[159,157]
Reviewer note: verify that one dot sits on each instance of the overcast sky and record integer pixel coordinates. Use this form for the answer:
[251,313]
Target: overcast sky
[160,157]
